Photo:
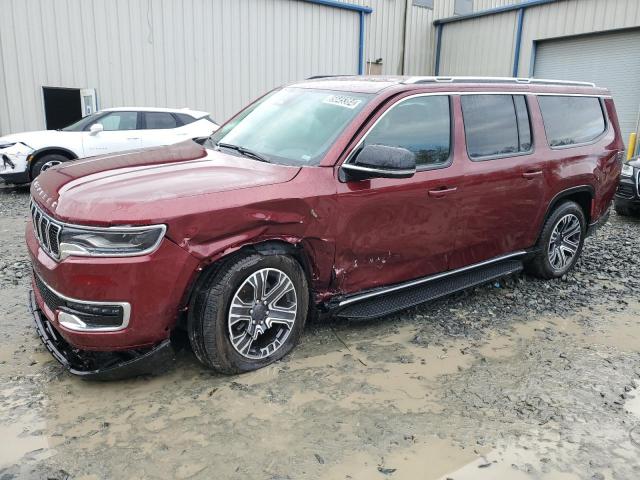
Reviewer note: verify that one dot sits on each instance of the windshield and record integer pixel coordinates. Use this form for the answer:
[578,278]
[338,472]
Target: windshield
[292,126]
[82,124]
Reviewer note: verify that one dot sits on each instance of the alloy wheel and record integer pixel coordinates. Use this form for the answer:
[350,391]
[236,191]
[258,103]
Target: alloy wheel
[49,164]
[262,313]
[564,241]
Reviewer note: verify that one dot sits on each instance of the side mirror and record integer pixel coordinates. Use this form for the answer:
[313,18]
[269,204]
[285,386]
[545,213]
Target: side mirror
[380,161]
[95,129]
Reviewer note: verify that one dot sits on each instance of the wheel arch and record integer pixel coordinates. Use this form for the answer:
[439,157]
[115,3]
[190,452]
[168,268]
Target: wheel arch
[583,195]
[296,250]
[38,154]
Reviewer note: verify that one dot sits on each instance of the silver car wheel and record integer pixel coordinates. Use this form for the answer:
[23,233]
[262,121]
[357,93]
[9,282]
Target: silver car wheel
[564,241]
[49,164]
[262,313]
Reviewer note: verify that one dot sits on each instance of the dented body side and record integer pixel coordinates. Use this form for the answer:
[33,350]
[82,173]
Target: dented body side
[354,236]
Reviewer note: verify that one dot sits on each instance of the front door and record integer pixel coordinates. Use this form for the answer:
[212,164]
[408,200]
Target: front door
[120,133]
[504,182]
[393,230]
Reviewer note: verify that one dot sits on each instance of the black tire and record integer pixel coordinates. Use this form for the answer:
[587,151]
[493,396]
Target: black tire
[622,210]
[541,266]
[45,161]
[208,324]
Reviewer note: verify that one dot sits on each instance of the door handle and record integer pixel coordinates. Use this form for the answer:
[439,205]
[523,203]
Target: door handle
[442,191]
[133,138]
[532,174]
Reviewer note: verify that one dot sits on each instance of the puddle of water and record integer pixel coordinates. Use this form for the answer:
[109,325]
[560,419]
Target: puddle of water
[427,460]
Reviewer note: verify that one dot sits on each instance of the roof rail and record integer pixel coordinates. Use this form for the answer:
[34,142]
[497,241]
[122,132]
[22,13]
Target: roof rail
[316,77]
[525,81]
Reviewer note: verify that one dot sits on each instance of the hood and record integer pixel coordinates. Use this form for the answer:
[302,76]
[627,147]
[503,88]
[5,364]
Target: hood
[36,140]
[141,186]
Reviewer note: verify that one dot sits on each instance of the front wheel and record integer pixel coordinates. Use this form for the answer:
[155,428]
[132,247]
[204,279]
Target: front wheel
[45,163]
[250,313]
[560,243]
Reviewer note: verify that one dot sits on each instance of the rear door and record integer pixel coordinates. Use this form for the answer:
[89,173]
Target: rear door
[505,172]
[162,128]
[393,230]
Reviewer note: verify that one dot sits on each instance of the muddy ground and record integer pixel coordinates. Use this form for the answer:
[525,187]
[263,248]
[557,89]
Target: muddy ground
[517,380]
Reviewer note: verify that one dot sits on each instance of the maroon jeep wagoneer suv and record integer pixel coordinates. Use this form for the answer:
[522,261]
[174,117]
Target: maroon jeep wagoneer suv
[352,196]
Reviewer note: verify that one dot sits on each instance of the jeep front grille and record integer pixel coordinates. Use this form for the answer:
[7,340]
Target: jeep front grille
[47,231]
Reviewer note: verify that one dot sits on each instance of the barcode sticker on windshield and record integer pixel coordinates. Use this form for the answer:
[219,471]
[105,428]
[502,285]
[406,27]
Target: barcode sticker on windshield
[342,101]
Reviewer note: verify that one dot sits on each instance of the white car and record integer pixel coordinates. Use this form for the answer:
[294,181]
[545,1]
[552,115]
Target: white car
[25,155]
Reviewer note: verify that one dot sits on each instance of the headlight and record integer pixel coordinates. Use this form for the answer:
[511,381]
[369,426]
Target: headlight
[110,242]
[627,170]
[6,145]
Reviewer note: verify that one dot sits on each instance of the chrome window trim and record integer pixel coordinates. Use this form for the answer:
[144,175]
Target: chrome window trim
[359,168]
[126,312]
[349,156]
[420,281]
[117,229]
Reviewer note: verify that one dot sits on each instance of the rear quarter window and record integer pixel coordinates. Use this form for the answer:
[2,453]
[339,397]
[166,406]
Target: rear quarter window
[571,120]
[184,118]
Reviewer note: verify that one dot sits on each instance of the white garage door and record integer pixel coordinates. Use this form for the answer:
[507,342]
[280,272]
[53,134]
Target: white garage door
[611,60]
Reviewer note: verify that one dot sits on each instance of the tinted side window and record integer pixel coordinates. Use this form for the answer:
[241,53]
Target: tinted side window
[571,120]
[184,118]
[119,121]
[160,120]
[420,124]
[524,126]
[496,125]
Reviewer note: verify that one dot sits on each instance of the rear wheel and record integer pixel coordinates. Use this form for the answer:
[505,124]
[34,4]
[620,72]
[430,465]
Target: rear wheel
[250,313]
[46,162]
[560,243]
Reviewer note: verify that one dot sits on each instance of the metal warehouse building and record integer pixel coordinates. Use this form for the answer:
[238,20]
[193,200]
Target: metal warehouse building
[217,55]
[592,40]
[213,55]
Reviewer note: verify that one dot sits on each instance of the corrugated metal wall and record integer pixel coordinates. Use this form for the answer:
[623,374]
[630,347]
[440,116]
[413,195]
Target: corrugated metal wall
[479,5]
[385,29]
[214,55]
[486,45]
[479,46]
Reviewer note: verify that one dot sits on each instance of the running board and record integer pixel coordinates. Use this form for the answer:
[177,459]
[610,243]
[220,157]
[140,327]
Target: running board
[384,303]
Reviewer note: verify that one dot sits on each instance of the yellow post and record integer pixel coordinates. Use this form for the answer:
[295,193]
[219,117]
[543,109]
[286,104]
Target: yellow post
[632,146]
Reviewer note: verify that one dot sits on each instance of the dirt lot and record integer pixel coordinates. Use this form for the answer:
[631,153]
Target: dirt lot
[517,380]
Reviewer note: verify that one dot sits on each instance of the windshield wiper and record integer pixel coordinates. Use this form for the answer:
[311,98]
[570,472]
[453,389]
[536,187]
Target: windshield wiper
[244,151]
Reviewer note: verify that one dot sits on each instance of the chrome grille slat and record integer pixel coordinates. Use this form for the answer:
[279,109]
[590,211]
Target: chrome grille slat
[47,231]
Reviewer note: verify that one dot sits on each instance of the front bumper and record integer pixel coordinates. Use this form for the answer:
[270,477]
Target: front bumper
[99,366]
[152,285]
[628,192]
[14,165]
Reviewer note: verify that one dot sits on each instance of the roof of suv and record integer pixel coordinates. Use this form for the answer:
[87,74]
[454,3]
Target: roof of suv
[188,111]
[377,83]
